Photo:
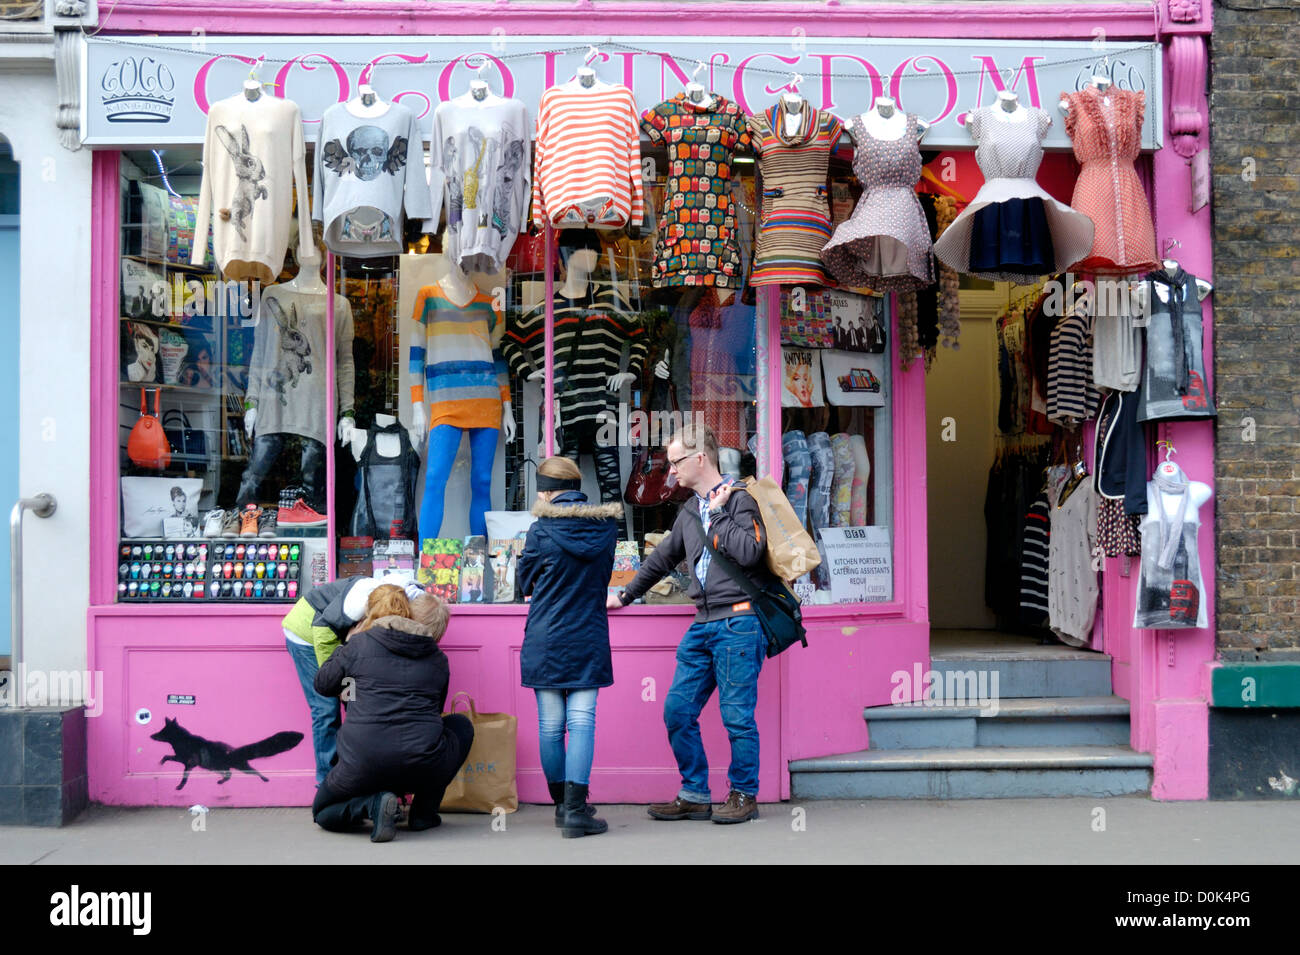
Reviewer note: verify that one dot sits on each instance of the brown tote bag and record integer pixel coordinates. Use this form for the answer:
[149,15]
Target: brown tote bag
[486,780]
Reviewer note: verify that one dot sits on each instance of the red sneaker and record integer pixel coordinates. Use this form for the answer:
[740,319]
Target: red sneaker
[300,515]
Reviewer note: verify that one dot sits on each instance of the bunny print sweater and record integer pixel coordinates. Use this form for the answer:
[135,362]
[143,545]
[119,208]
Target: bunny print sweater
[367,167]
[253,152]
[286,374]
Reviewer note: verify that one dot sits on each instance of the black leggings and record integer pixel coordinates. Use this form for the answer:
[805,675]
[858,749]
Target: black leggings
[576,438]
[340,812]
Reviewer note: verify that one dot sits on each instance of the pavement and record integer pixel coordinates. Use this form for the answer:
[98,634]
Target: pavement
[1120,831]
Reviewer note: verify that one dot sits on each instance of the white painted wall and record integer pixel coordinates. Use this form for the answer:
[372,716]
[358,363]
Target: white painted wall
[53,438]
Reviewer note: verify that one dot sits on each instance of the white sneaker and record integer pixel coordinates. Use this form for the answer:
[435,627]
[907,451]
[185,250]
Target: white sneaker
[212,522]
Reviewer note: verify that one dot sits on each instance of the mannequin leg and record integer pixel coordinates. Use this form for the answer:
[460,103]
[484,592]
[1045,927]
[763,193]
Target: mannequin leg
[266,448]
[861,474]
[842,483]
[798,468]
[444,442]
[313,473]
[605,457]
[482,453]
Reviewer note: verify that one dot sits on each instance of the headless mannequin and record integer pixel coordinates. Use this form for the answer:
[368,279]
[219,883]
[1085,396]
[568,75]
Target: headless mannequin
[1203,288]
[586,78]
[444,440]
[386,445]
[1199,493]
[1100,83]
[577,282]
[698,95]
[887,122]
[791,114]
[367,103]
[1011,111]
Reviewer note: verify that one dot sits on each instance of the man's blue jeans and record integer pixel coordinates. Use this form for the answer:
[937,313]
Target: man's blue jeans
[325,716]
[727,655]
[574,710]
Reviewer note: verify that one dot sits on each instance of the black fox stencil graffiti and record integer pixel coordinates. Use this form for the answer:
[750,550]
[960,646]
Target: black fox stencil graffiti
[193,751]
[250,171]
[294,359]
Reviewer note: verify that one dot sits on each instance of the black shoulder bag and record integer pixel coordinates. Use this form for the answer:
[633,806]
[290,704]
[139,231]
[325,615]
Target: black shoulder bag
[776,608]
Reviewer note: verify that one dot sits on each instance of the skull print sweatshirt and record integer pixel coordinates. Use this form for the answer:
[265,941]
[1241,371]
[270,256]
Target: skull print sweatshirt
[480,154]
[286,374]
[252,154]
[367,168]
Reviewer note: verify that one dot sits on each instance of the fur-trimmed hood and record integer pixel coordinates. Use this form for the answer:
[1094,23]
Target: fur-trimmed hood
[403,636]
[592,512]
[583,530]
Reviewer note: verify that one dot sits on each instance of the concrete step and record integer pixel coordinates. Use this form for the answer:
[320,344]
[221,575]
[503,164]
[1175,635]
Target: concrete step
[1045,721]
[1008,673]
[973,773]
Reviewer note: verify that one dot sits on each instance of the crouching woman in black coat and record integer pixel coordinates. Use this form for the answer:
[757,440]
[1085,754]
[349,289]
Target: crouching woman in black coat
[395,739]
[565,658]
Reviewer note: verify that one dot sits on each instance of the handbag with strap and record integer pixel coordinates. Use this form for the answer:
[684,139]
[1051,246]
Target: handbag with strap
[650,483]
[775,606]
[386,507]
[188,444]
[147,445]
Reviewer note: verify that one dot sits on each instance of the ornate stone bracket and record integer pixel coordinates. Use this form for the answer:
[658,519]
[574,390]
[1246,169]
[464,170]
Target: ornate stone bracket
[1188,107]
[67,70]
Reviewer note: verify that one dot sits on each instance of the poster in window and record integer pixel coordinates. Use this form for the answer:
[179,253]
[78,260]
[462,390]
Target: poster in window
[801,378]
[853,379]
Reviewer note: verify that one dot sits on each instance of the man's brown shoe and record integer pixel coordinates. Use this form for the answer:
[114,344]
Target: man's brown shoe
[740,807]
[679,808]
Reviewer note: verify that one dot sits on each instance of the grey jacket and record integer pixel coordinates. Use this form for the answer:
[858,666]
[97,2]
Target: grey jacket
[737,532]
[327,601]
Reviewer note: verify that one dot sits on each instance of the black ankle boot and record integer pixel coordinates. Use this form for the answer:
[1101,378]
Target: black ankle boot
[557,797]
[579,818]
[383,815]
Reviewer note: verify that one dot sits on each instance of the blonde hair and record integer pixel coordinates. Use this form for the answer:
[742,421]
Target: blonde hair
[385,600]
[560,467]
[698,437]
[433,613]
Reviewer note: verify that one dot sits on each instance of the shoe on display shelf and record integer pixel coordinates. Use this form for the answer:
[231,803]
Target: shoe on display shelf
[214,522]
[248,520]
[230,524]
[301,515]
[266,524]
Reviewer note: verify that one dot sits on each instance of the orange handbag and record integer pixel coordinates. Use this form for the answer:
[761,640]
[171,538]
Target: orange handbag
[147,446]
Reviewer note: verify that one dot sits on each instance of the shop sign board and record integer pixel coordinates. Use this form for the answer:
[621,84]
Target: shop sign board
[156,90]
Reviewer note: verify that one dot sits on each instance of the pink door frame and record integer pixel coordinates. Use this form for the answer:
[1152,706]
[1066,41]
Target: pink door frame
[812,698]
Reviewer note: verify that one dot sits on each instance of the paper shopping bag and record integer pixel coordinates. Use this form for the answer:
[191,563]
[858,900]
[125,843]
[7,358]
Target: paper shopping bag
[486,780]
[791,551]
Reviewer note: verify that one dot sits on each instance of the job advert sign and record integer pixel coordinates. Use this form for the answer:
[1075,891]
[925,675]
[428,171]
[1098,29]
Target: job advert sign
[860,564]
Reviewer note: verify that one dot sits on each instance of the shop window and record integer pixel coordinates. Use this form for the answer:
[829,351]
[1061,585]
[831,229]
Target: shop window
[240,500]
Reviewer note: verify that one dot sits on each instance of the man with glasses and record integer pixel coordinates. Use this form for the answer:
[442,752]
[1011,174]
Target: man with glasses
[725,646]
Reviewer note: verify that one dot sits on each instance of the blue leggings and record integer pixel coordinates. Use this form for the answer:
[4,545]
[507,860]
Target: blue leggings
[444,442]
[574,710]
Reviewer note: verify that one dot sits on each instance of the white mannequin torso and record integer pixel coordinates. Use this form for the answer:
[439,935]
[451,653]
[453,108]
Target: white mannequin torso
[885,120]
[386,445]
[1198,493]
[792,112]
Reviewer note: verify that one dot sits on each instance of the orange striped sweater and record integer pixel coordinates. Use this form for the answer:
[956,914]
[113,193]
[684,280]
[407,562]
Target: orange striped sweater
[587,165]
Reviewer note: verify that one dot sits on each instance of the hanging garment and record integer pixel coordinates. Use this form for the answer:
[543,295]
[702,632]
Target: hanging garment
[823,474]
[1071,397]
[479,171]
[1174,386]
[794,222]
[1171,591]
[927,299]
[587,158]
[697,242]
[861,475]
[885,245]
[1035,549]
[1072,583]
[366,169]
[1013,230]
[1116,337]
[949,282]
[798,472]
[286,371]
[1106,129]
[715,386]
[386,506]
[253,152]
[1119,453]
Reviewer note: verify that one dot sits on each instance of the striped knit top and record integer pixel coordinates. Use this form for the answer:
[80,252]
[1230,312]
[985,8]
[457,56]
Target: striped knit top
[589,339]
[463,376]
[1071,396]
[587,158]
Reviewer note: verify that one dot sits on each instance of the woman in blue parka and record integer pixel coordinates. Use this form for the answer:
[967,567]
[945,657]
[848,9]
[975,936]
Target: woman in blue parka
[565,567]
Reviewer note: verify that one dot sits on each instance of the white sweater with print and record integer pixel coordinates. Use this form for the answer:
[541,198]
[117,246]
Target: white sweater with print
[252,154]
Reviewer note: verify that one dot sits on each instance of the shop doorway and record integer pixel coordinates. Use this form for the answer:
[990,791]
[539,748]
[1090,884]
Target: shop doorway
[9,273]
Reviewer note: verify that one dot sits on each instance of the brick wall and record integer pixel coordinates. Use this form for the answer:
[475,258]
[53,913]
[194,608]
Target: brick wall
[1255,98]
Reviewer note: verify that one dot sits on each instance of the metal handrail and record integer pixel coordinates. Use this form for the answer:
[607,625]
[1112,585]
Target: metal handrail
[42,505]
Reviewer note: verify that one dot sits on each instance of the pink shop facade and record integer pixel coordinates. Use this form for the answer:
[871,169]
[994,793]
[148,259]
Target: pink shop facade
[219,668]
